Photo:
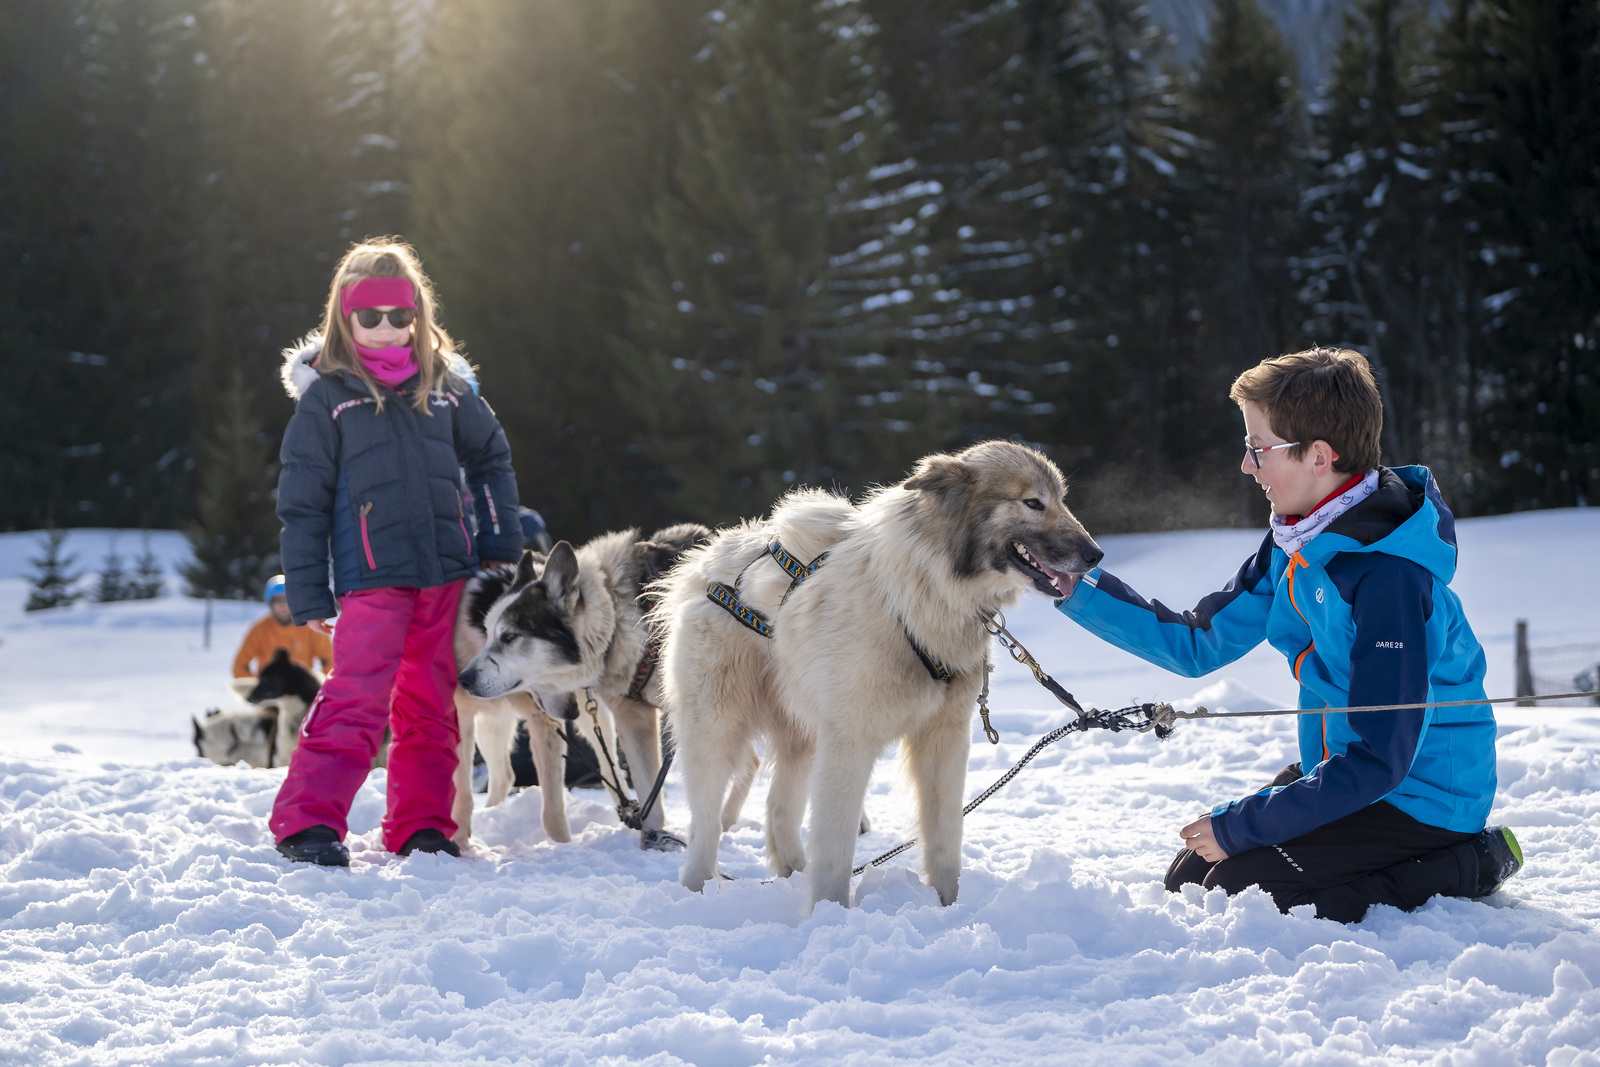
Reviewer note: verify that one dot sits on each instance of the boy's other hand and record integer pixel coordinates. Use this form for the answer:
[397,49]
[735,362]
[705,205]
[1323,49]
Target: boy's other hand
[321,626]
[1199,837]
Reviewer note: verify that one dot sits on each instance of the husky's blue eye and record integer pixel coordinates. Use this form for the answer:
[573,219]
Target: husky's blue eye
[1035,503]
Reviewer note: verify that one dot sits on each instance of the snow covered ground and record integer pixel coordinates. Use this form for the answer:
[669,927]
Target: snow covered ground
[145,917]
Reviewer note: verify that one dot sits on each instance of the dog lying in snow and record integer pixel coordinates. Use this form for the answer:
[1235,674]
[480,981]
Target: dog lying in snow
[830,631]
[559,632]
[266,731]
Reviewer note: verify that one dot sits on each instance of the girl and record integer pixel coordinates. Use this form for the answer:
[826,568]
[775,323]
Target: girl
[372,459]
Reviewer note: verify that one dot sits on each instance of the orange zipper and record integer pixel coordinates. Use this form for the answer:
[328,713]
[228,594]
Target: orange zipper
[1297,560]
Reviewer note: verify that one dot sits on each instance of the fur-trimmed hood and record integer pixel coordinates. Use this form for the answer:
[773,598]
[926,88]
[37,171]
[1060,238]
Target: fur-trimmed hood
[298,371]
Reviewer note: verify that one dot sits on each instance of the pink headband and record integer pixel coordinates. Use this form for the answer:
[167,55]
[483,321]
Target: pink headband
[378,292]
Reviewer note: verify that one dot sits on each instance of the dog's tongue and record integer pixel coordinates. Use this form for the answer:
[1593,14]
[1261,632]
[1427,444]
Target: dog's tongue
[1056,578]
[1059,579]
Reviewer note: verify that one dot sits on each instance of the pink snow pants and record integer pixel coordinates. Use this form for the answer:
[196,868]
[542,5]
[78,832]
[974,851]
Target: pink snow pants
[395,664]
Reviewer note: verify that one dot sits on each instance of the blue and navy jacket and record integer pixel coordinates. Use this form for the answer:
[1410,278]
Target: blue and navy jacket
[1365,615]
[379,493]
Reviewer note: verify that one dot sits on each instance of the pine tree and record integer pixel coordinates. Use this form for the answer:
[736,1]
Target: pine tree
[235,540]
[148,581]
[302,157]
[1372,274]
[1245,111]
[978,113]
[113,583]
[52,586]
[551,130]
[1123,281]
[100,164]
[1531,83]
[789,259]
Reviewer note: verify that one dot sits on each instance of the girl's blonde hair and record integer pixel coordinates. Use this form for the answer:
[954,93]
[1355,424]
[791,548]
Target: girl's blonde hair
[388,257]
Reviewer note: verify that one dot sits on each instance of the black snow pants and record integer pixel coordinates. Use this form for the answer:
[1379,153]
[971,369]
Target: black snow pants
[1378,855]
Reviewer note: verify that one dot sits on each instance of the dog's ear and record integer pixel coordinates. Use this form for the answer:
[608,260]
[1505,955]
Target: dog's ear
[199,735]
[527,570]
[280,658]
[561,573]
[940,473]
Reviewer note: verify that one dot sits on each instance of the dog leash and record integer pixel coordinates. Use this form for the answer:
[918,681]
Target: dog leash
[1158,718]
[629,811]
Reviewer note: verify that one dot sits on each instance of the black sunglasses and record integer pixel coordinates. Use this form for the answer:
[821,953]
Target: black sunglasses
[399,318]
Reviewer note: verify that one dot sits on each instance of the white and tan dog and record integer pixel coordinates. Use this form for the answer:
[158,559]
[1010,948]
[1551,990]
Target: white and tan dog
[882,642]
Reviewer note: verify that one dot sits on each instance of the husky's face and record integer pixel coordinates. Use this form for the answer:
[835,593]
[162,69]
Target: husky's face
[226,737]
[1001,508]
[532,633]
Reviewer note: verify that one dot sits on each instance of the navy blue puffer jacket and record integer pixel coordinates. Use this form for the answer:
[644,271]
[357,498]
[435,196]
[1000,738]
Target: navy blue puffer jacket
[380,492]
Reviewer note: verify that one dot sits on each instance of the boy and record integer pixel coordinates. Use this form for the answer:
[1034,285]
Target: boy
[1352,585]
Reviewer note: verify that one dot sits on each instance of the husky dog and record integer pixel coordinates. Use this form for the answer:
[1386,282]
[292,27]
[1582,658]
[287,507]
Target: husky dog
[880,641]
[285,690]
[228,736]
[268,731]
[574,629]
[491,724]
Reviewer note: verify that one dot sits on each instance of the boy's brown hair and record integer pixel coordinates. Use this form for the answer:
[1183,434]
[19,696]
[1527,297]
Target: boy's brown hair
[1321,394]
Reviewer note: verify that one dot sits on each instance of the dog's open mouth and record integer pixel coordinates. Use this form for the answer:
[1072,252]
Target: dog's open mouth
[1047,581]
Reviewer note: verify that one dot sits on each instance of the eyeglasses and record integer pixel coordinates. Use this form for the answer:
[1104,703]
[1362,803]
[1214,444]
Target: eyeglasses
[1255,453]
[399,318]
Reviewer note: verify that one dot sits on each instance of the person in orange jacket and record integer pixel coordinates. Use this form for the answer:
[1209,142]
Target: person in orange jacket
[276,631]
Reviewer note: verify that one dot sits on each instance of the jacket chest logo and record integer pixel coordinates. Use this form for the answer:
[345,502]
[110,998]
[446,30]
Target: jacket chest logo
[1319,594]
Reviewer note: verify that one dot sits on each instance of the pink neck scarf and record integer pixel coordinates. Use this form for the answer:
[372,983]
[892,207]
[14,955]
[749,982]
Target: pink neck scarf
[391,366]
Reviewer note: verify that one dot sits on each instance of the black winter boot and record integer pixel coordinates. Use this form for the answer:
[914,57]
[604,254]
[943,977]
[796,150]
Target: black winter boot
[316,844]
[1499,857]
[429,840]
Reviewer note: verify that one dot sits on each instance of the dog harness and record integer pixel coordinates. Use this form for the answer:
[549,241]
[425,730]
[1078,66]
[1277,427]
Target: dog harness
[728,599]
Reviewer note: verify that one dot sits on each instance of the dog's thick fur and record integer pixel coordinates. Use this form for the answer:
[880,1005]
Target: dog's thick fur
[572,624]
[839,680]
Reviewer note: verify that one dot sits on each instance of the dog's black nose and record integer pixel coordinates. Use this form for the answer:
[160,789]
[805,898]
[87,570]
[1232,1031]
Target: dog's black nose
[468,678]
[1093,555]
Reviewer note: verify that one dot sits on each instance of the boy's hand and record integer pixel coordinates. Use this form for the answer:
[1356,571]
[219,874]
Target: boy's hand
[321,626]
[1199,837]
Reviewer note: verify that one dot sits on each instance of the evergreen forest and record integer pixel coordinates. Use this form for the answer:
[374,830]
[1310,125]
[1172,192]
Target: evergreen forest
[700,251]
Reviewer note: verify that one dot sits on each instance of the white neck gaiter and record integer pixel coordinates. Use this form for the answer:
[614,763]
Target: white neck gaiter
[1292,538]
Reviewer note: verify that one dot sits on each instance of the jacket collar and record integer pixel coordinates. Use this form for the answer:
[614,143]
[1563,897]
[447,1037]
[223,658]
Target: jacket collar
[1405,517]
